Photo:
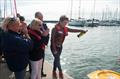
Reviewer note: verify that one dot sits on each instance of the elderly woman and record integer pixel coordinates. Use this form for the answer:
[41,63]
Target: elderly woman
[15,47]
[39,15]
[37,53]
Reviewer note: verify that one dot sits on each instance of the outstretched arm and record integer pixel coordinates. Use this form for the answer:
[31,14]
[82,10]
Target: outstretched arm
[76,30]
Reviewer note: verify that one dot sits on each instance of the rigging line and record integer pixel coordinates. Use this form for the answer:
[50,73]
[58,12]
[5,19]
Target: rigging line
[67,8]
[5,8]
[0,9]
[79,11]
[94,8]
[71,9]
[119,9]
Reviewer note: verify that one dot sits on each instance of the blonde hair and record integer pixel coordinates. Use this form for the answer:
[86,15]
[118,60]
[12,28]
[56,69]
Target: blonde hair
[35,22]
[7,21]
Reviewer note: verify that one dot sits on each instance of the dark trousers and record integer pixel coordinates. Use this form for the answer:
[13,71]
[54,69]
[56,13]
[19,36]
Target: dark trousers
[30,70]
[56,63]
[20,74]
[43,63]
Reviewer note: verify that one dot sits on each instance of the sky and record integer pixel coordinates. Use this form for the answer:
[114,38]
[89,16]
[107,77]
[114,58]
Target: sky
[53,9]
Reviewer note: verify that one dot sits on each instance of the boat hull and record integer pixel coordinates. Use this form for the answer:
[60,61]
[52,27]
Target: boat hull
[76,23]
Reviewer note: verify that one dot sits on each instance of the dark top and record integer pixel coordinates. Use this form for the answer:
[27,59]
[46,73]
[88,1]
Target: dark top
[1,31]
[16,50]
[37,52]
[46,38]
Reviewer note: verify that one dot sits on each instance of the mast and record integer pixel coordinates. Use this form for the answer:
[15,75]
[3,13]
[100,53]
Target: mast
[0,9]
[103,15]
[79,12]
[119,10]
[71,9]
[94,9]
[116,14]
[93,12]
[5,8]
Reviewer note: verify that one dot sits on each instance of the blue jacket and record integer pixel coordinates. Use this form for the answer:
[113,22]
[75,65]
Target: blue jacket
[1,31]
[16,50]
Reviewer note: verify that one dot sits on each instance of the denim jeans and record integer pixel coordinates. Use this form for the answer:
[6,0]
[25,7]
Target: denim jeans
[56,63]
[20,74]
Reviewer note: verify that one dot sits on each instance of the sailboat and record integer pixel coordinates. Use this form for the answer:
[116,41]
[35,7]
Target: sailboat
[108,20]
[5,9]
[79,21]
[92,22]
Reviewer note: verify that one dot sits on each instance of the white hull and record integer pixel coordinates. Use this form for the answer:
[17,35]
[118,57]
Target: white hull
[92,23]
[109,24]
[77,22]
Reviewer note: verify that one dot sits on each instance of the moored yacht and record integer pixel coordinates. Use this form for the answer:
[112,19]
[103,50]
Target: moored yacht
[77,22]
[92,22]
[109,23]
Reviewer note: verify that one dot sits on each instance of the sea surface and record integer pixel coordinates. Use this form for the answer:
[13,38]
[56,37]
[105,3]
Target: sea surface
[98,49]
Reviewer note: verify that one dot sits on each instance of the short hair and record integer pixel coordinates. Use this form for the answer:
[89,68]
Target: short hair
[63,17]
[37,14]
[18,15]
[21,18]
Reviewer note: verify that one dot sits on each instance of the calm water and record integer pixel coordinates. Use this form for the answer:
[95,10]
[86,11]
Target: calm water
[98,49]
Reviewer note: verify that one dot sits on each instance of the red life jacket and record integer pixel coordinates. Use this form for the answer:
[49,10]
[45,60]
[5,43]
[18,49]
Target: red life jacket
[58,28]
[62,31]
[34,34]
[38,37]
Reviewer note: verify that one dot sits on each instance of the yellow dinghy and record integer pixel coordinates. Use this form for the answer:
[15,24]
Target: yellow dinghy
[104,74]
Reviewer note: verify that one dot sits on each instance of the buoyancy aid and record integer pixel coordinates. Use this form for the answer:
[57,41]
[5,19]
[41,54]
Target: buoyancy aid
[60,33]
[34,34]
[37,36]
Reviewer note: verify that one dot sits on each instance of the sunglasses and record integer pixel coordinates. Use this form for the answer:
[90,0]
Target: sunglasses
[13,19]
